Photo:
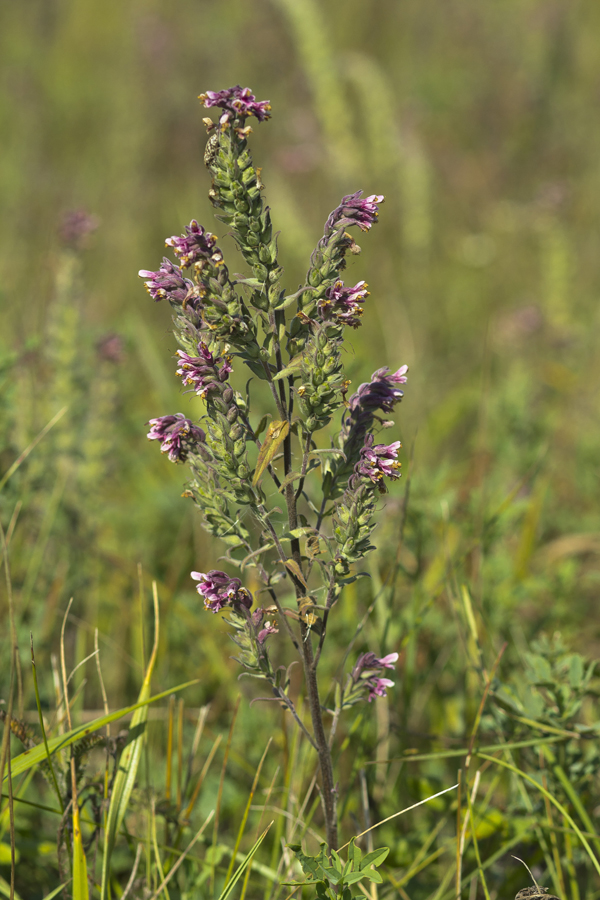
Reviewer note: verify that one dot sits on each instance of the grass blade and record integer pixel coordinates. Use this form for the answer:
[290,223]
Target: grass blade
[244,864]
[81,889]
[37,754]
[129,762]
[553,800]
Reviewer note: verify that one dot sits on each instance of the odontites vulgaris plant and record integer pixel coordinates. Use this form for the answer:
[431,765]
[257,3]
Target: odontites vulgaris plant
[320,449]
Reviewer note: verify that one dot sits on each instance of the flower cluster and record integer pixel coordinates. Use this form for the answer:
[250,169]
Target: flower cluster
[179,437]
[355,210]
[342,304]
[381,393]
[203,372]
[236,192]
[237,103]
[325,292]
[377,461]
[168,283]
[219,590]
[354,513]
[378,393]
[265,628]
[75,227]
[195,245]
[366,675]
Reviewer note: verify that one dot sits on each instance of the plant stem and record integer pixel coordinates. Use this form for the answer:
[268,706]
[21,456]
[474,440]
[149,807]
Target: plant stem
[328,788]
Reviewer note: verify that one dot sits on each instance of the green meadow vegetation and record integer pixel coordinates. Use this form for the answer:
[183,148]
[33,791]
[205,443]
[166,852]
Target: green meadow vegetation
[478,123]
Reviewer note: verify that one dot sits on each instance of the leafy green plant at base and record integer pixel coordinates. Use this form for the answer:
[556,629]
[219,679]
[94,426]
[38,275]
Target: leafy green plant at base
[331,876]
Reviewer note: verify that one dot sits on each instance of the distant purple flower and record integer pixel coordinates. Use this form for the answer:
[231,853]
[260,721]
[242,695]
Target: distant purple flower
[194,245]
[367,669]
[343,303]
[177,434]
[354,210]
[377,461]
[269,627]
[238,103]
[76,225]
[219,590]
[168,283]
[203,372]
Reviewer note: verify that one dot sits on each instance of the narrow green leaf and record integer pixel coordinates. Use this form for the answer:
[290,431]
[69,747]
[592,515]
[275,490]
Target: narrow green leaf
[551,798]
[372,875]
[37,754]
[56,891]
[374,858]
[5,889]
[293,476]
[293,566]
[337,860]
[298,533]
[250,282]
[354,852]
[244,864]
[327,451]
[261,426]
[276,434]
[128,763]
[353,877]
[286,301]
[332,874]
[293,369]
[81,889]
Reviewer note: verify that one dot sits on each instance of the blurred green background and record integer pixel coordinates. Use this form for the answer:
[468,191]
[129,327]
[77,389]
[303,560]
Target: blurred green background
[479,122]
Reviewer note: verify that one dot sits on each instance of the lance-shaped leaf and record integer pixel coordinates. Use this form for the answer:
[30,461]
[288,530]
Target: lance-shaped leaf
[276,434]
[128,763]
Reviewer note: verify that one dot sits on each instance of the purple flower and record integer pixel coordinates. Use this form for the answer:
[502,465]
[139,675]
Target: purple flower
[269,627]
[367,671]
[177,434]
[75,227]
[194,245]
[238,103]
[167,282]
[377,687]
[354,210]
[343,303]
[219,590]
[377,461]
[382,392]
[379,393]
[203,372]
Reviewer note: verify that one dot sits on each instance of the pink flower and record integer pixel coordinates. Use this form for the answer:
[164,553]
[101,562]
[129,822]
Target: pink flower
[238,103]
[343,303]
[203,372]
[194,245]
[354,210]
[219,590]
[379,460]
[178,435]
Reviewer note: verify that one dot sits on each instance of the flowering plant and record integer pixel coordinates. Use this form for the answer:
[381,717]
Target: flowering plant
[293,343]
